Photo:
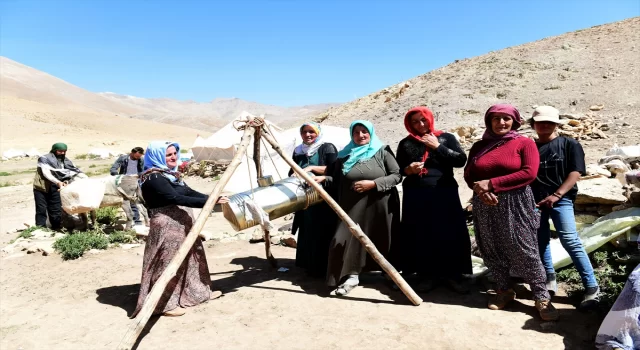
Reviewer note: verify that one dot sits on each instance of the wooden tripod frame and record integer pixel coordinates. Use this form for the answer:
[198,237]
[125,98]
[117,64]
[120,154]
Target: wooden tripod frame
[254,127]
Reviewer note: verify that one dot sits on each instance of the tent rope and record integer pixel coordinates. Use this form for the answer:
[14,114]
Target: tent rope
[246,154]
[272,161]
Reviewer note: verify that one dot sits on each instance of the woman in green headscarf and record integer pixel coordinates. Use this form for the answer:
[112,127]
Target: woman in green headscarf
[363,181]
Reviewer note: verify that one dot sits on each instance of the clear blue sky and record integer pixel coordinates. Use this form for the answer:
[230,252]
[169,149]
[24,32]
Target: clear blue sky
[278,52]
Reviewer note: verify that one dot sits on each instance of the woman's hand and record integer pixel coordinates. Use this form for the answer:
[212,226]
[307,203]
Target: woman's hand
[310,169]
[431,141]
[480,187]
[489,198]
[414,168]
[363,186]
[223,200]
[548,202]
[319,179]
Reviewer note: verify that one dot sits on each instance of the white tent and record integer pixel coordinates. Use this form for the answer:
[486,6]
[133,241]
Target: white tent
[13,153]
[223,144]
[33,152]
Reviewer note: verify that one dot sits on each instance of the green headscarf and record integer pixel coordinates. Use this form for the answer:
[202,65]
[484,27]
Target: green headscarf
[58,147]
[360,153]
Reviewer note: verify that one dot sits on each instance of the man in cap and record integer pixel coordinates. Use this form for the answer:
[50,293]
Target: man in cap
[555,189]
[130,164]
[53,172]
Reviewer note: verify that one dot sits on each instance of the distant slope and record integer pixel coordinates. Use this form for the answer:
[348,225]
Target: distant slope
[599,65]
[26,83]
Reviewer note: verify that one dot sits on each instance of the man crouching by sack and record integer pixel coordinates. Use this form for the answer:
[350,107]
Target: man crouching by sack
[54,171]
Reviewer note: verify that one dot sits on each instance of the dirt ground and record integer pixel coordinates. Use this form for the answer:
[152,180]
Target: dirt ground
[46,303]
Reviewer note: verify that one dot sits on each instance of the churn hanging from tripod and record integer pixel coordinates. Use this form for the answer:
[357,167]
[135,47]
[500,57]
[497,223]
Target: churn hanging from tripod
[276,199]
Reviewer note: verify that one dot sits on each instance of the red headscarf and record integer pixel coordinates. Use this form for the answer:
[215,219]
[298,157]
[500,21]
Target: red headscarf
[489,138]
[428,115]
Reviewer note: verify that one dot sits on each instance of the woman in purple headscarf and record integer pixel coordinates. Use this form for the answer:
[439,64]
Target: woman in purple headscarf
[501,166]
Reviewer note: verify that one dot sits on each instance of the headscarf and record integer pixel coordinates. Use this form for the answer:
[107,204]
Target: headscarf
[155,160]
[357,153]
[489,139]
[59,146]
[311,149]
[428,115]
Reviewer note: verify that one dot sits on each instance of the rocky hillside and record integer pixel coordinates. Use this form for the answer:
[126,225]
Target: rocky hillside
[599,66]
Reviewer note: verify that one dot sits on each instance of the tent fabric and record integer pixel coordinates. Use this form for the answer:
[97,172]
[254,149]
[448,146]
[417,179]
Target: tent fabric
[222,146]
[592,236]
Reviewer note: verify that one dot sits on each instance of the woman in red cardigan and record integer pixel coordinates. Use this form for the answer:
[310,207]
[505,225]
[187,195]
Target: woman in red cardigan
[501,166]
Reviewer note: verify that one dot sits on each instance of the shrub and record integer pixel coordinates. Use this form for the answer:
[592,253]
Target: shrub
[611,273]
[74,245]
[87,156]
[4,173]
[122,237]
[107,215]
[28,233]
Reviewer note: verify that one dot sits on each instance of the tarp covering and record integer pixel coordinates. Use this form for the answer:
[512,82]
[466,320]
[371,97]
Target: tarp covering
[593,237]
[621,328]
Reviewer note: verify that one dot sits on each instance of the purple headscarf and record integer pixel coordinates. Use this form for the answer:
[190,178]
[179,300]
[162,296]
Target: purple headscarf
[489,139]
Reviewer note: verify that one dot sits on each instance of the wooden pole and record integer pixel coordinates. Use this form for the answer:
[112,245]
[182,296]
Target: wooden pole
[256,160]
[150,303]
[353,227]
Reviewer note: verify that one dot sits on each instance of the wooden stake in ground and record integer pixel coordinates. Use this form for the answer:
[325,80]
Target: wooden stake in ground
[256,160]
[150,303]
[353,227]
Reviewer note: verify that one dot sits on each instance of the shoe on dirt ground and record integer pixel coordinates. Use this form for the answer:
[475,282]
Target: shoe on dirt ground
[591,297]
[460,286]
[547,311]
[500,300]
[179,311]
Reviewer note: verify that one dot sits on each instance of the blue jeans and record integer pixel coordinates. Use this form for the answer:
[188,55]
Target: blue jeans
[564,221]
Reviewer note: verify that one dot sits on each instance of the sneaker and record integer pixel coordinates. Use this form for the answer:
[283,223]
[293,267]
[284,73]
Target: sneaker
[591,297]
[547,311]
[499,300]
[552,285]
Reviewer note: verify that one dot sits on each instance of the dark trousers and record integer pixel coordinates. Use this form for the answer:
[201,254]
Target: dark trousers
[136,214]
[48,203]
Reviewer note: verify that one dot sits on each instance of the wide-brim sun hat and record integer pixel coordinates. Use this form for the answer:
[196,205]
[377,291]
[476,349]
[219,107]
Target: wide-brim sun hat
[547,114]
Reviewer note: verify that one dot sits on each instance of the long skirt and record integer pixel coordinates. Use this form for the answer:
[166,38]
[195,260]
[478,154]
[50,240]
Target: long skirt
[507,238]
[435,241]
[316,227]
[191,286]
[378,215]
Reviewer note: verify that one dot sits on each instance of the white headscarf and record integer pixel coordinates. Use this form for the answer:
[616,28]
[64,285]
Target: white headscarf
[311,149]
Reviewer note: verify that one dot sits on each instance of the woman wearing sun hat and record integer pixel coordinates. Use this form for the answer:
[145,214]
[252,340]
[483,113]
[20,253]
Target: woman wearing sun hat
[561,165]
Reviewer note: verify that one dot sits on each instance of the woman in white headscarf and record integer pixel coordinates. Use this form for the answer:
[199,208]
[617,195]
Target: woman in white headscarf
[316,224]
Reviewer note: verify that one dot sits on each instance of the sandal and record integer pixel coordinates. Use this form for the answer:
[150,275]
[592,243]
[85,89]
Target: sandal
[344,289]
